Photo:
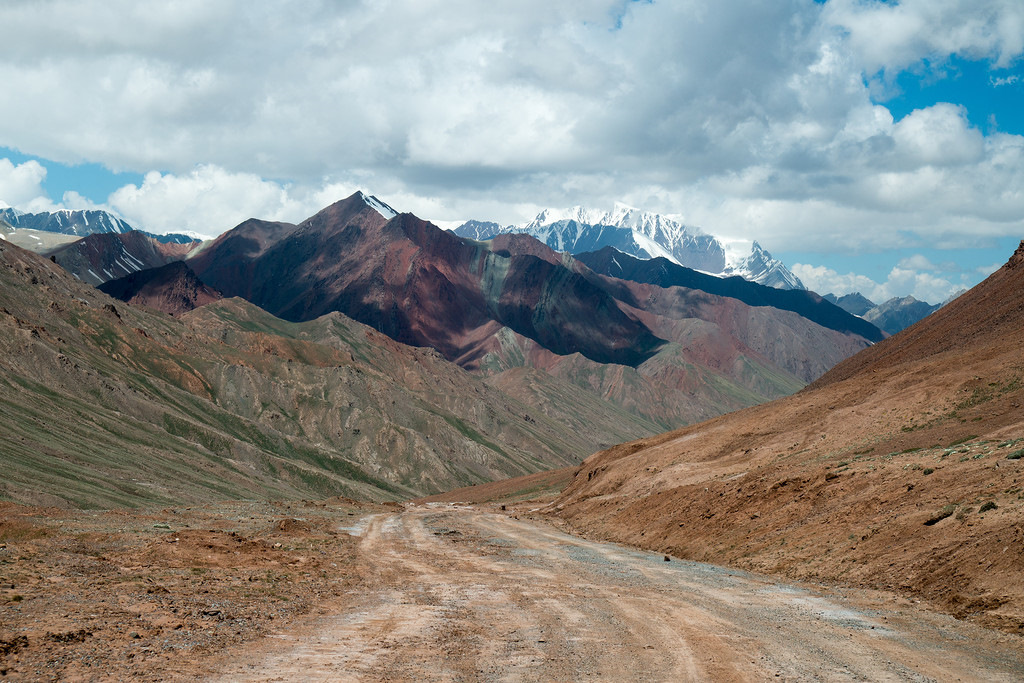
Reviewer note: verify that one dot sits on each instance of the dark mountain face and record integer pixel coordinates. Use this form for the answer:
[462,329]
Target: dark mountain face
[101,257]
[424,286]
[173,289]
[227,264]
[855,303]
[664,273]
[899,313]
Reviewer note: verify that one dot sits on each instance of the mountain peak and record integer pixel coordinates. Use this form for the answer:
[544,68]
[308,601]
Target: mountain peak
[377,205]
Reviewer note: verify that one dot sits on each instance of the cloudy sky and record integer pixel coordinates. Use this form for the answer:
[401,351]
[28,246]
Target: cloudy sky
[873,146]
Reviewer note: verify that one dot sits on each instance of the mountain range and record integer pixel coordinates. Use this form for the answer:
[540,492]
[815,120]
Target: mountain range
[108,404]
[512,305]
[77,222]
[891,316]
[645,235]
[363,352]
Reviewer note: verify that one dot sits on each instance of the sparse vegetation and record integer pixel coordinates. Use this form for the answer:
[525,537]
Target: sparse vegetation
[1016,455]
[990,505]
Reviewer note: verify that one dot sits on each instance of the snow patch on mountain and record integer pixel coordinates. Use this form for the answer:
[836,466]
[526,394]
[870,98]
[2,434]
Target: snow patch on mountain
[645,235]
[378,206]
[66,221]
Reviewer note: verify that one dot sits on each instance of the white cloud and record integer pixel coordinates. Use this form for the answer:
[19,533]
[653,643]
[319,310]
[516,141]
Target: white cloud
[913,276]
[749,119]
[895,36]
[208,201]
[21,186]
[917,262]
[1008,80]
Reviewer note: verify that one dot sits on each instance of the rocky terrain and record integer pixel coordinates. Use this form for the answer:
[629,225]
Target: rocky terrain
[101,257]
[900,469]
[107,405]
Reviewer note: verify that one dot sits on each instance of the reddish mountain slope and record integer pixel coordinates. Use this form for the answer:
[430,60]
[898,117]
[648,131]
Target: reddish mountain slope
[901,469]
[512,303]
[229,260]
[101,257]
[426,287]
[173,289]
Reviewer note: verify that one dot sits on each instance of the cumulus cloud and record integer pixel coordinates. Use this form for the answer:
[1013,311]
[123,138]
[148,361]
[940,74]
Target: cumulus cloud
[914,276]
[208,200]
[895,36]
[21,186]
[752,120]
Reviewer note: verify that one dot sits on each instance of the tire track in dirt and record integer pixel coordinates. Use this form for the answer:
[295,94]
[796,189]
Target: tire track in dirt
[452,593]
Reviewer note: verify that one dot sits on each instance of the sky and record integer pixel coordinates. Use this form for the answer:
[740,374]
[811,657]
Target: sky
[871,146]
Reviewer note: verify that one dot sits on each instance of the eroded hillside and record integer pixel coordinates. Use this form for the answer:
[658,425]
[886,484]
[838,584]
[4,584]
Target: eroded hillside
[105,404]
[902,468]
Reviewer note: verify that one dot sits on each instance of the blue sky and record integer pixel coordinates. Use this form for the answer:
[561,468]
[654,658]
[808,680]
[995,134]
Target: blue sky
[872,146]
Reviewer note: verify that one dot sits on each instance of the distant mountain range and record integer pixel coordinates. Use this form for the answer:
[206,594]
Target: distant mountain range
[891,316]
[67,222]
[645,235]
[79,223]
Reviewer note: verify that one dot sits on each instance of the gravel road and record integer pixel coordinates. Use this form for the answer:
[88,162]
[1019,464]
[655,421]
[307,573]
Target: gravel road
[452,593]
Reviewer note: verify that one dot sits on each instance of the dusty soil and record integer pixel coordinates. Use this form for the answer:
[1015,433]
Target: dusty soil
[458,593]
[147,595]
[332,591]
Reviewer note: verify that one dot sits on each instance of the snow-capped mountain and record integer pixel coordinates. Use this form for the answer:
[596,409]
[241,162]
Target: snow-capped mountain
[67,222]
[759,266]
[645,235]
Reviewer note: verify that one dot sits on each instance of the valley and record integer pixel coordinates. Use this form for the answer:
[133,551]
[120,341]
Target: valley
[354,465]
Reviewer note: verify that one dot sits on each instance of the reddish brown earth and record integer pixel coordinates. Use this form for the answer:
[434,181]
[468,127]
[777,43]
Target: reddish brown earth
[334,591]
[664,356]
[173,289]
[901,469]
[101,257]
[147,595]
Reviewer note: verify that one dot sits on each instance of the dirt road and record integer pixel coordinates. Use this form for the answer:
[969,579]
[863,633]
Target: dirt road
[459,594]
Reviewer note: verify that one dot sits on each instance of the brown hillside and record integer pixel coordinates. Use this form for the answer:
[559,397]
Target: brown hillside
[903,469]
[105,404]
[173,289]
